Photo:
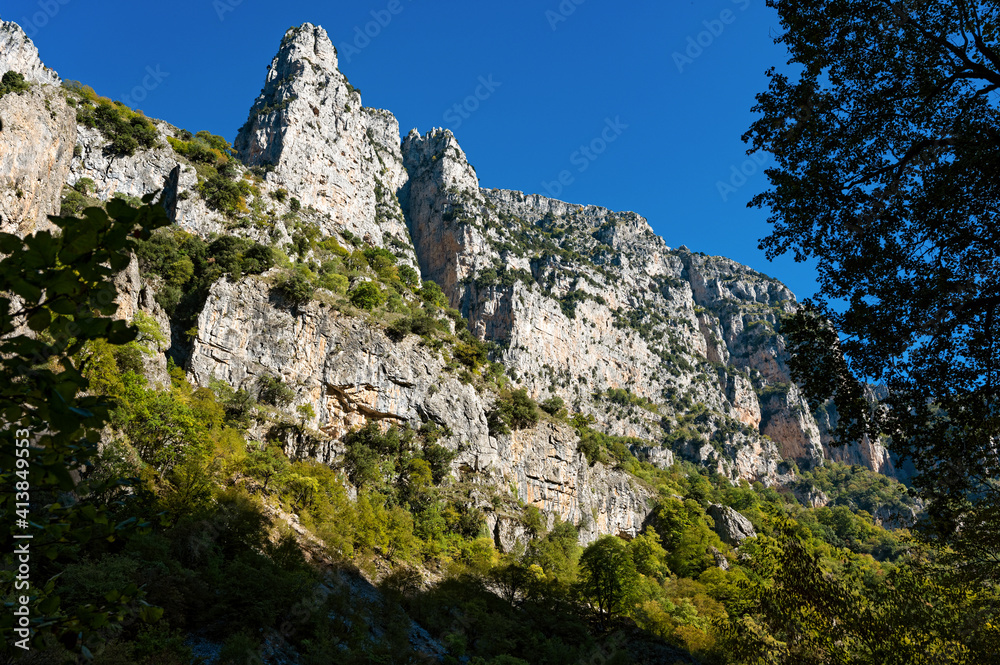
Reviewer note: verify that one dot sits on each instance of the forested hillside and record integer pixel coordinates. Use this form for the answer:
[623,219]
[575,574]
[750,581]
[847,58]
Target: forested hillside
[316,396]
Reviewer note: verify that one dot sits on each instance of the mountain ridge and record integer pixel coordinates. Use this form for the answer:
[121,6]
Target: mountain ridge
[674,350]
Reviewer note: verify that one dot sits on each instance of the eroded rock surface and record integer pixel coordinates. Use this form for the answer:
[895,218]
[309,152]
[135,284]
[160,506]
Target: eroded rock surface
[350,372]
[37,134]
[732,527]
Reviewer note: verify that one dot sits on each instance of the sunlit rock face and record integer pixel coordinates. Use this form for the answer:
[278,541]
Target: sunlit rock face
[351,373]
[310,131]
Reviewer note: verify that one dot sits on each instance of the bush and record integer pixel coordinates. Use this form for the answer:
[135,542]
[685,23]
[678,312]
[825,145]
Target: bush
[296,287]
[125,130]
[513,410]
[408,275]
[553,405]
[432,293]
[84,186]
[13,82]
[367,296]
[225,195]
[73,203]
[272,390]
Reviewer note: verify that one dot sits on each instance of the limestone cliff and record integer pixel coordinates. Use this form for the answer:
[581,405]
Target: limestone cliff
[673,348]
[351,372]
[37,133]
[18,53]
[309,130]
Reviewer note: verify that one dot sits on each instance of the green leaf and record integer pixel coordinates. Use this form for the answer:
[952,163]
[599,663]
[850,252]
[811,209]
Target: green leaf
[9,243]
[40,320]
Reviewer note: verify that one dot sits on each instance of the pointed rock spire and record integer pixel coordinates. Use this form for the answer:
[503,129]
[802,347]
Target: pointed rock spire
[18,53]
[309,129]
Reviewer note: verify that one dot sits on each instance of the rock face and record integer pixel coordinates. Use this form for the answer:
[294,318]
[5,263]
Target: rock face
[37,133]
[135,296]
[591,306]
[350,372]
[674,349]
[732,527]
[309,129]
[18,53]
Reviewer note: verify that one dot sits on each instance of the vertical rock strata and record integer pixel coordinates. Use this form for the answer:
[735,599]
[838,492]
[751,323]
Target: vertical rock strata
[675,349]
[310,131]
[37,133]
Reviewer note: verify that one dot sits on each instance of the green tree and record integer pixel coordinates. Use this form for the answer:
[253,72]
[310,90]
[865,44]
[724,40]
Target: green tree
[13,82]
[272,390]
[61,287]
[608,577]
[886,177]
[514,409]
[367,296]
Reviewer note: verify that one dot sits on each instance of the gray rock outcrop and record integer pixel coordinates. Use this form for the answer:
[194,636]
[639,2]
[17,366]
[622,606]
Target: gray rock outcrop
[37,134]
[18,53]
[732,527]
[350,372]
[310,131]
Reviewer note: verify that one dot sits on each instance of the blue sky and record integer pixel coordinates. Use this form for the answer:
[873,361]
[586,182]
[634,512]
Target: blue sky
[676,79]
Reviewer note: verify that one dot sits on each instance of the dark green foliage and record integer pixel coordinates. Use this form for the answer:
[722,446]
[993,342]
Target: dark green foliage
[295,205]
[125,130]
[13,82]
[225,194]
[432,294]
[296,286]
[514,409]
[68,295]
[608,578]
[189,266]
[380,259]
[73,203]
[470,351]
[606,449]
[554,406]
[272,390]
[367,296]
[883,176]
[408,275]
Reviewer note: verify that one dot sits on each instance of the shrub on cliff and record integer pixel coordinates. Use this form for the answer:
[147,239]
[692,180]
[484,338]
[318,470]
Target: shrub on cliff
[13,82]
[513,410]
[126,130]
[367,296]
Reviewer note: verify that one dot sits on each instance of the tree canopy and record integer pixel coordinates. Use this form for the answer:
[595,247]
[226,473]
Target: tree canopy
[884,129]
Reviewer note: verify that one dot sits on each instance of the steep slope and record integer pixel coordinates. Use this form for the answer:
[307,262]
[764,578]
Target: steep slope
[310,132]
[586,303]
[674,349]
[38,133]
[18,53]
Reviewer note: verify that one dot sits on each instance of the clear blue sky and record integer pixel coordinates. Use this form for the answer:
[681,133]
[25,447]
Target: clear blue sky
[559,72]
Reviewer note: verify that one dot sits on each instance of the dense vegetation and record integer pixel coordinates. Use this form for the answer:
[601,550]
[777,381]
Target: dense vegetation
[176,536]
[13,82]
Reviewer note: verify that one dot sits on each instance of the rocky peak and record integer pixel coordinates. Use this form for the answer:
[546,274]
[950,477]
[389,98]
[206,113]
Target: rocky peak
[309,131]
[442,191]
[18,53]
